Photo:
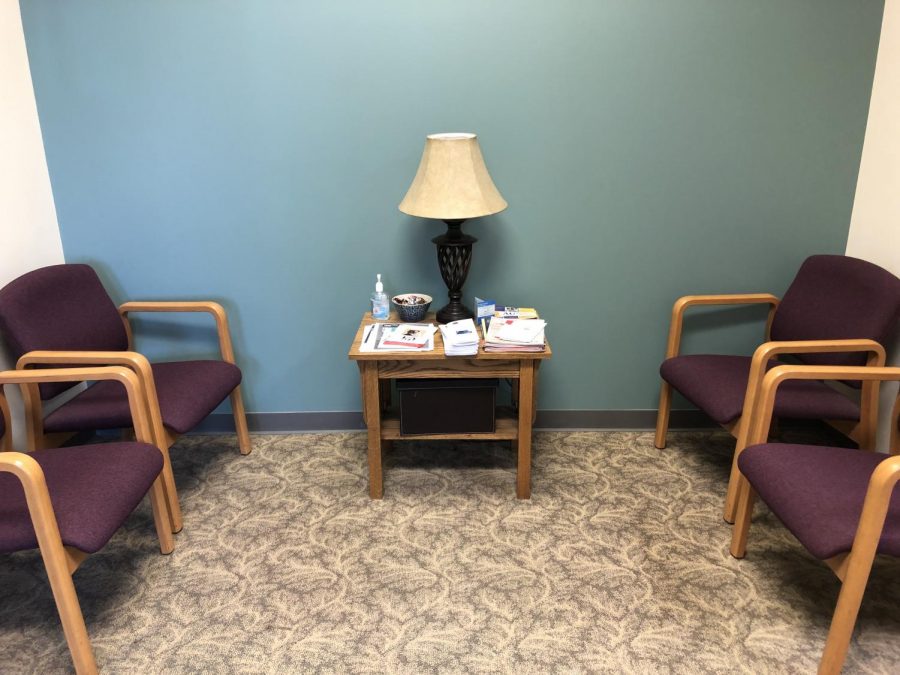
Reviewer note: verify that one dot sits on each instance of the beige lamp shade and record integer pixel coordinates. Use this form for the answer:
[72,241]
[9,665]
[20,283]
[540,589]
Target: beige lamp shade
[452,182]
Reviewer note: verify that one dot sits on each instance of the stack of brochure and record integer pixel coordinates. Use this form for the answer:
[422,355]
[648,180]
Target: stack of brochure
[460,338]
[399,337]
[515,312]
[515,335]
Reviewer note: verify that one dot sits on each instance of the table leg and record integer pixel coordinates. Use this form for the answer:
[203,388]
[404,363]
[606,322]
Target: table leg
[526,410]
[372,413]
[362,387]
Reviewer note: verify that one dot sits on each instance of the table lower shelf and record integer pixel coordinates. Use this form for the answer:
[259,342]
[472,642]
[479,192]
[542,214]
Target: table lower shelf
[505,429]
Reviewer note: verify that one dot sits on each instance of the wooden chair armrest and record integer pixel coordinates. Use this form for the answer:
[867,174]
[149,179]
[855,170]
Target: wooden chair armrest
[856,564]
[137,399]
[678,310]
[761,412]
[207,306]
[878,494]
[133,360]
[29,473]
[37,496]
[727,299]
[172,306]
[766,351]
[61,561]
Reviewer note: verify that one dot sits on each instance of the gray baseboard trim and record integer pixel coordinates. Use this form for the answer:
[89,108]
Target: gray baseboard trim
[299,422]
[618,419]
[284,422]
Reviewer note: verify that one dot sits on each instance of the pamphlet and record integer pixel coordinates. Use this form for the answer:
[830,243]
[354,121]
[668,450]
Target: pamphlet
[460,338]
[375,335]
[406,335]
[515,312]
[515,335]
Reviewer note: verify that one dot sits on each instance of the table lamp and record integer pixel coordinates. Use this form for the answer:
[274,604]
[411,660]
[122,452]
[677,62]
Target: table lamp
[453,185]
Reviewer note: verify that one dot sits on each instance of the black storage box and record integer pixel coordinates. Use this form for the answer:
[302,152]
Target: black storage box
[447,406]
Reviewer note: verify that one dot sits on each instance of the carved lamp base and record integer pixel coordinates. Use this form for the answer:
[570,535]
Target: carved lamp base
[454,251]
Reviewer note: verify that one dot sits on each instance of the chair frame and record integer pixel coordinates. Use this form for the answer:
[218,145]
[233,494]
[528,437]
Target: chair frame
[852,568]
[6,437]
[863,431]
[61,561]
[140,365]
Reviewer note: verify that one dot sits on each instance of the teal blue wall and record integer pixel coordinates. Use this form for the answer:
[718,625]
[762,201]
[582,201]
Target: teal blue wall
[256,151]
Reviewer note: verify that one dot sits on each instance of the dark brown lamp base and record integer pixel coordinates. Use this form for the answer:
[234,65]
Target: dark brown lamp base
[454,251]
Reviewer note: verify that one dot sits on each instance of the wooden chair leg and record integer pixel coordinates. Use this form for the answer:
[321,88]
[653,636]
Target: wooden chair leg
[845,613]
[161,517]
[170,492]
[746,498]
[72,621]
[240,421]
[662,418]
[734,479]
[731,497]
[70,615]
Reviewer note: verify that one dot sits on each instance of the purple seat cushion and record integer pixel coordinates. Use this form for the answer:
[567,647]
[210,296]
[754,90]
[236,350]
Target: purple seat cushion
[61,307]
[93,489]
[818,493]
[188,391]
[717,383]
[837,297]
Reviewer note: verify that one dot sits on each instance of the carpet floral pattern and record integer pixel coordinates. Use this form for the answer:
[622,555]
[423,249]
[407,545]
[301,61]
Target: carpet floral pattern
[619,563]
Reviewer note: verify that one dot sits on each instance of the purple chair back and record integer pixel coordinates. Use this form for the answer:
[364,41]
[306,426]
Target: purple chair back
[61,307]
[835,297]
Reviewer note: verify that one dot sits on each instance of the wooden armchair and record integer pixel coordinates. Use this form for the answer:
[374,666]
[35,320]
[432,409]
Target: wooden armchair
[68,502]
[62,315]
[836,312]
[838,502]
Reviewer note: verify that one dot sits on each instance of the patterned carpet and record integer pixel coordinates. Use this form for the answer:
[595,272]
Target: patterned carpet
[619,563]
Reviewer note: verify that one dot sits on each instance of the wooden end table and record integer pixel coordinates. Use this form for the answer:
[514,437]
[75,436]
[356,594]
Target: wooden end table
[376,369]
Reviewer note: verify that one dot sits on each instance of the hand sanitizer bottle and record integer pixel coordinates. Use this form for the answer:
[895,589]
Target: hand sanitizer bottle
[379,301]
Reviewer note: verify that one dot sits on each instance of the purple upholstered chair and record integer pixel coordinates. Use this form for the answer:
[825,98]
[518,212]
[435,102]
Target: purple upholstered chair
[62,315]
[68,502]
[837,311]
[840,503]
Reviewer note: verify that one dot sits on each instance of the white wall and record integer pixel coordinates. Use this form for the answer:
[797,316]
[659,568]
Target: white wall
[28,229]
[875,223]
